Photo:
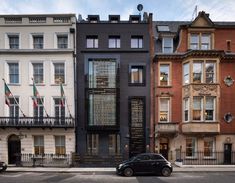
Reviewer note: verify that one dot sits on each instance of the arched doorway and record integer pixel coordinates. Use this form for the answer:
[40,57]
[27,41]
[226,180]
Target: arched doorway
[14,149]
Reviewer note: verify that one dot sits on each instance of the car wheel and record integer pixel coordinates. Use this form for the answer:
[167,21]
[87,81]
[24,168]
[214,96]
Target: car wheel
[166,172]
[128,172]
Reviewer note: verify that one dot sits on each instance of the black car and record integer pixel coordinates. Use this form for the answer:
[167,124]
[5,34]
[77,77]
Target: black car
[146,163]
[3,166]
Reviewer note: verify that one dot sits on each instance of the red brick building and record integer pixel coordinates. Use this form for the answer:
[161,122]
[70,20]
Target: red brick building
[193,90]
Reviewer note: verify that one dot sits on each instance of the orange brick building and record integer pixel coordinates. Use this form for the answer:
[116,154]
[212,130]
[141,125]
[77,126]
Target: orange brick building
[193,90]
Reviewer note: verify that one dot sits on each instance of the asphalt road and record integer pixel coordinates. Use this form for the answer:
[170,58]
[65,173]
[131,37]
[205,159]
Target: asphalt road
[31,177]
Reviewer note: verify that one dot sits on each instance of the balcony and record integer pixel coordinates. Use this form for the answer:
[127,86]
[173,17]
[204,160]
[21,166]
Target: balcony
[31,122]
[167,128]
[201,127]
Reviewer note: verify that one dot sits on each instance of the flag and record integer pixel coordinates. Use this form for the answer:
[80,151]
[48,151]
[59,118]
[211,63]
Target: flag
[7,94]
[35,95]
[61,95]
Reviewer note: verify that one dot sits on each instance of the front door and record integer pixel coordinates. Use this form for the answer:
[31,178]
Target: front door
[14,149]
[227,153]
[164,150]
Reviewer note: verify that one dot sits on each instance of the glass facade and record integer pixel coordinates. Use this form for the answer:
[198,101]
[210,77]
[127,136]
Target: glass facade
[101,92]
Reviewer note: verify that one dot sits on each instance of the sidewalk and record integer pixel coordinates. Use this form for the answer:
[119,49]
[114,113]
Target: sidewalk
[184,168]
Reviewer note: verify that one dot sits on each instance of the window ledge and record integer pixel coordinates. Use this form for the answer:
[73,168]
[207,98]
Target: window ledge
[63,84]
[136,84]
[38,84]
[191,158]
[14,84]
[168,86]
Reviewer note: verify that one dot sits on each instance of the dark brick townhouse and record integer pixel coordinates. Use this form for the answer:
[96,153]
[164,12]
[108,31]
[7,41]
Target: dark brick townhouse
[113,88]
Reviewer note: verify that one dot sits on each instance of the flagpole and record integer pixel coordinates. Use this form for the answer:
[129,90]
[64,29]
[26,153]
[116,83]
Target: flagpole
[66,101]
[15,100]
[41,100]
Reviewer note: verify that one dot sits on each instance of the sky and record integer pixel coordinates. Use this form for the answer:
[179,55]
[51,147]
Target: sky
[219,10]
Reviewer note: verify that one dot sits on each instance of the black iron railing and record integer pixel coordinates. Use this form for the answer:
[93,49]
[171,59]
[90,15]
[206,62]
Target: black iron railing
[49,160]
[41,122]
[202,158]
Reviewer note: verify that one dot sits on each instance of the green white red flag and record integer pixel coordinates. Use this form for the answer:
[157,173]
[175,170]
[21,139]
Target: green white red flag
[7,94]
[61,95]
[35,95]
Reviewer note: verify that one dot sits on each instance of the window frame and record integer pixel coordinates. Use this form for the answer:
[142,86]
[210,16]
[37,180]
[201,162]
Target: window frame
[54,63]
[43,74]
[200,43]
[204,63]
[94,40]
[14,74]
[168,109]
[212,151]
[194,149]
[169,74]
[164,47]
[40,146]
[62,36]
[16,45]
[201,109]
[117,42]
[61,147]
[137,66]
[38,46]
[137,42]
[186,108]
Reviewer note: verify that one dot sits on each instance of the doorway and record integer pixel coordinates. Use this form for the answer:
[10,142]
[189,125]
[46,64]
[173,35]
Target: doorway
[164,150]
[14,149]
[227,153]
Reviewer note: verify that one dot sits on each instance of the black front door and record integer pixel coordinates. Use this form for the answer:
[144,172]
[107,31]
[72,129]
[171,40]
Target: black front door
[227,153]
[14,149]
[164,150]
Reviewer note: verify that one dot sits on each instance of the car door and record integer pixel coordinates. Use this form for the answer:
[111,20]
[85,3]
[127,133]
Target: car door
[142,164]
[157,163]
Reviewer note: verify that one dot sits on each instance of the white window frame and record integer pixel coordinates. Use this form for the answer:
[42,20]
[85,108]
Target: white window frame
[52,74]
[189,73]
[7,41]
[163,44]
[169,109]
[169,74]
[213,148]
[195,148]
[201,114]
[56,39]
[184,108]
[202,70]
[31,71]
[6,73]
[214,108]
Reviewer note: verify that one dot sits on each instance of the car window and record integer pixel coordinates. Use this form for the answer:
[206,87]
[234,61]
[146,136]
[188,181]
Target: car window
[144,157]
[157,157]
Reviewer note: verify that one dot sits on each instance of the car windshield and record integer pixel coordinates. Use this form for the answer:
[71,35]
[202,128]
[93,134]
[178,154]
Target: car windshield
[132,158]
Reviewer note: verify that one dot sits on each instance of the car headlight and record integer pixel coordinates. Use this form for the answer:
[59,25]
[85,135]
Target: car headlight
[120,166]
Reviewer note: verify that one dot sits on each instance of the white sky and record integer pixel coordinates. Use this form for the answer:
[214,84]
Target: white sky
[219,10]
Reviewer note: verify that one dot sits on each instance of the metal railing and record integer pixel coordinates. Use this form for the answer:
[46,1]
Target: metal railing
[45,160]
[32,122]
[202,158]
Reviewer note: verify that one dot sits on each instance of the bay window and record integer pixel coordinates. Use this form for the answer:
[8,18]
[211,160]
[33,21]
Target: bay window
[186,73]
[197,72]
[197,108]
[186,109]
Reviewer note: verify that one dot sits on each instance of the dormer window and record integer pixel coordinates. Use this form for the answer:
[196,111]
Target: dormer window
[134,19]
[93,18]
[167,45]
[114,18]
[200,41]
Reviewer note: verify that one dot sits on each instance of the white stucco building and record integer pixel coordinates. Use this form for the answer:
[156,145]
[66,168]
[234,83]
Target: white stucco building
[41,47]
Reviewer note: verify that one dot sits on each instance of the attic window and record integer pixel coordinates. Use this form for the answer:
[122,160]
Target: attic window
[134,19]
[163,28]
[114,19]
[93,18]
